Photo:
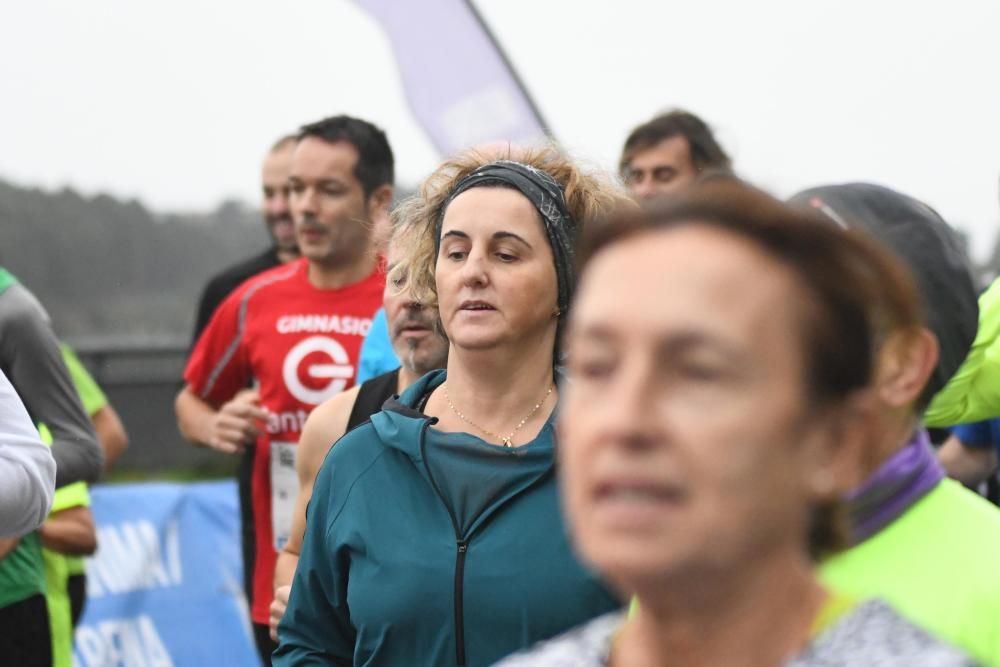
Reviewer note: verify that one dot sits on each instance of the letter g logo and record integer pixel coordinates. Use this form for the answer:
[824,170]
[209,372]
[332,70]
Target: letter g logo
[337,371]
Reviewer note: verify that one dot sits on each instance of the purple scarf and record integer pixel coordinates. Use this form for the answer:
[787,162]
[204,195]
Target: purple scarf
[895,487]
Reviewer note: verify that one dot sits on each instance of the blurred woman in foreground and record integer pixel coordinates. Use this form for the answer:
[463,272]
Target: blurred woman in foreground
[719,350]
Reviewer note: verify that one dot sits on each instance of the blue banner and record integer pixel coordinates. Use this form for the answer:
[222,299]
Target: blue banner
[165,586]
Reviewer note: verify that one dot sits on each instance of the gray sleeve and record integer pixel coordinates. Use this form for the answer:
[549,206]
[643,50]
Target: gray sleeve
[32,360]
[27,469]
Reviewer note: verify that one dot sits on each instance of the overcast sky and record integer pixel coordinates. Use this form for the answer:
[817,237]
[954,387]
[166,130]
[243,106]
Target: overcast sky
[175,102]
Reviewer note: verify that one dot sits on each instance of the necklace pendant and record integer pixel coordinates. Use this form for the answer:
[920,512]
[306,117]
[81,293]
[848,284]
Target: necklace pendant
[507,442]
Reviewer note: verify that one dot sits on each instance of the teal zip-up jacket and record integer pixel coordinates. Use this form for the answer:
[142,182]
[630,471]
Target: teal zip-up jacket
[432,549]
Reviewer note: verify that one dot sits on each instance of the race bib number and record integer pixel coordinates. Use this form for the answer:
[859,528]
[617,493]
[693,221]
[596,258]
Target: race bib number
[284,489]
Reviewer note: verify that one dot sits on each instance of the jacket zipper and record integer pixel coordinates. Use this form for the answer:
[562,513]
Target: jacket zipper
[463,547]
[462,544]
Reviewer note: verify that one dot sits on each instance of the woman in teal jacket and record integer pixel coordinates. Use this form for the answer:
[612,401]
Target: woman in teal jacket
[434,535]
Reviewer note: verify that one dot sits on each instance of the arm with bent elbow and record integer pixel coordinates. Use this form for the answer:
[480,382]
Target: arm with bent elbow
[324,426]
[70,532]
[108,425]
[31,357]
[228,429]
[111,433]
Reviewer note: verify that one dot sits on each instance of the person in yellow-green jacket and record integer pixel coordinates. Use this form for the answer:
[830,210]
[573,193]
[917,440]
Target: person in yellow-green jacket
[70,533]
[922,542]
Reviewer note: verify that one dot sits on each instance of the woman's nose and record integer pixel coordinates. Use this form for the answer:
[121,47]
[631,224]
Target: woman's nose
[474,270]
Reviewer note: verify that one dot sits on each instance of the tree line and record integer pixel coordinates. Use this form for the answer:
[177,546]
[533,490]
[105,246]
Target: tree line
[112,270]
[108,269]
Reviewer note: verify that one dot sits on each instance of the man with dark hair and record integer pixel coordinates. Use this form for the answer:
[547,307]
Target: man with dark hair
[296,330]
[669,152]
[277,218]
[375,166]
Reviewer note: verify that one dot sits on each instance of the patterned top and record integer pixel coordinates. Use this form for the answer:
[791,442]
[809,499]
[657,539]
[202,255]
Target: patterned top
[870,634]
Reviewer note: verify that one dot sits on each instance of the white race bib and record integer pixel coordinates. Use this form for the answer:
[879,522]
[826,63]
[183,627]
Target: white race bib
[284,489]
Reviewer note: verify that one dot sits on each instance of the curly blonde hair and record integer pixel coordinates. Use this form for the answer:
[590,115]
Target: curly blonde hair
[588,197]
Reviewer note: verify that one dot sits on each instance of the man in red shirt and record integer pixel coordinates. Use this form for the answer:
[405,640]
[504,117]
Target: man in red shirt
[296,330]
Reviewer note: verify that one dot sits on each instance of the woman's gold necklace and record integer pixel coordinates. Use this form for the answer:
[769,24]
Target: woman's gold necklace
[496,436]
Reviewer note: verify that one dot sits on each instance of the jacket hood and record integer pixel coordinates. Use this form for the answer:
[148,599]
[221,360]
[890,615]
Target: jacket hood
[928,246]
[400,423]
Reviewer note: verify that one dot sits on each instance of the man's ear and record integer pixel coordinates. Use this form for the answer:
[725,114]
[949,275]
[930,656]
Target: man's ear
[905,363]
[379,202]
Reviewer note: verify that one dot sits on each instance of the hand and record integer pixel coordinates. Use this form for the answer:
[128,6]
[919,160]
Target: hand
[235,424]
[7,545]
[278,607]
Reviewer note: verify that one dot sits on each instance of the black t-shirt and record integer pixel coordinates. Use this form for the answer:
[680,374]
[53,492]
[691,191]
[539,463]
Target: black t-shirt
[372,394]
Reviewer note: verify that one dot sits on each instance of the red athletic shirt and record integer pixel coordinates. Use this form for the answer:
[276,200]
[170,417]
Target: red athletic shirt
[301,345]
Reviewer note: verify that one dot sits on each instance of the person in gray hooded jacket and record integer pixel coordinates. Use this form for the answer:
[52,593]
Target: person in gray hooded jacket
[31,359]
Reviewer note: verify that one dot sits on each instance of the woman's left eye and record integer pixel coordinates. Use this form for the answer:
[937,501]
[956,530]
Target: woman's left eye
[506,257]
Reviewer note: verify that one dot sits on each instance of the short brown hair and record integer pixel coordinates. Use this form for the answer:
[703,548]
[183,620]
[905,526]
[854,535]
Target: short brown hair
[860,292]
[706,153]
[857,292]
[376,165]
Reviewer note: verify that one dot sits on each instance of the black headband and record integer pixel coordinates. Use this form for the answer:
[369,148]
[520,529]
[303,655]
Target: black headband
[547,197]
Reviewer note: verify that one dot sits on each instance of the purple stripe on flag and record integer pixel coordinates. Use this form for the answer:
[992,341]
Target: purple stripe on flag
[458,84]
